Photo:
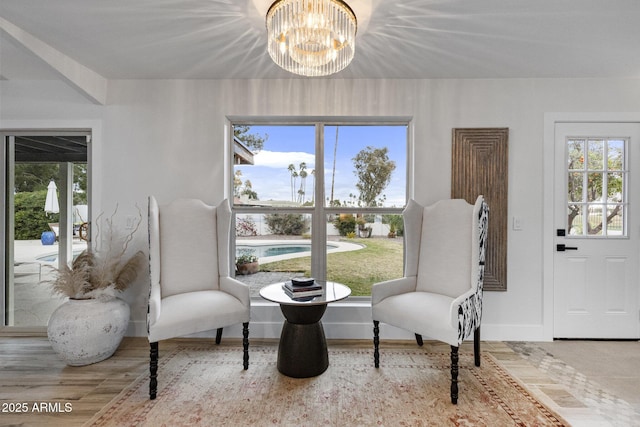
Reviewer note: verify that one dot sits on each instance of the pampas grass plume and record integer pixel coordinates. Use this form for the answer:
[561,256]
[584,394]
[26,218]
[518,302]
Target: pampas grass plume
[129,271]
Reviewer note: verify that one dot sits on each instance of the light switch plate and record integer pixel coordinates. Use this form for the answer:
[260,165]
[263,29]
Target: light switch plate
[517,223]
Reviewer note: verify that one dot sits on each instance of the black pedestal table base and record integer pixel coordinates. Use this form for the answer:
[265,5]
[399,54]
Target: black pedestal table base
[302,352]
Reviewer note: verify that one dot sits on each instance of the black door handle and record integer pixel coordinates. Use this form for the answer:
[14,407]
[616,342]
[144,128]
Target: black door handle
[562,247]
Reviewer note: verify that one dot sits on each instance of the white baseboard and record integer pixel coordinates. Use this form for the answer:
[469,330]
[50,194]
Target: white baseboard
[493,332]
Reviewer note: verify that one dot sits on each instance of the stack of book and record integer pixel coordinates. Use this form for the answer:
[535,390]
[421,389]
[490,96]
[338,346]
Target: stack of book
[302,288]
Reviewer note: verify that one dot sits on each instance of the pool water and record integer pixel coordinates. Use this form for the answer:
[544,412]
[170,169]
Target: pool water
[54,257]
[274,250]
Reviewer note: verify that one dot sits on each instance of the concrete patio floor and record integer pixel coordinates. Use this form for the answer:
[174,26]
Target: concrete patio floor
[33,300]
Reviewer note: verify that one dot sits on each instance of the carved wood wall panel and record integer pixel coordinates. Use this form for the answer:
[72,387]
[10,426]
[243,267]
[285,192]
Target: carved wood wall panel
[479,165]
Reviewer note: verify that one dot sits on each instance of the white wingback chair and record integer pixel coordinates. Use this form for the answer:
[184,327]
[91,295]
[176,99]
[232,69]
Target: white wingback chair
[440,295]
[191,287]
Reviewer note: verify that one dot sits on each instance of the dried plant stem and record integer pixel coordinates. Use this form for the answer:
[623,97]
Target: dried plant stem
[129,237]
[103,271]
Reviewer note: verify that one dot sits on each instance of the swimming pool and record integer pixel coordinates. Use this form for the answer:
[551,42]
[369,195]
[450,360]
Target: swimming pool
[53,257]
[271,249]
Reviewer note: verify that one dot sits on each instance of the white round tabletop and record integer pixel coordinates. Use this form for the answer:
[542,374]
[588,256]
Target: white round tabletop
[331,292]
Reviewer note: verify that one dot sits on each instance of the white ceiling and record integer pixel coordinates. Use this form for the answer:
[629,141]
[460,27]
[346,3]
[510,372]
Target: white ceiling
[216,39]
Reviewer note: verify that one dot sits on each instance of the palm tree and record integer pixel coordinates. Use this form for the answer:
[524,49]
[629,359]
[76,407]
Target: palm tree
[313,195]
[294,174]
[303,177]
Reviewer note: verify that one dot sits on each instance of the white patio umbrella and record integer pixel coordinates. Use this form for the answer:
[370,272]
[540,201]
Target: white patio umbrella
[51,203]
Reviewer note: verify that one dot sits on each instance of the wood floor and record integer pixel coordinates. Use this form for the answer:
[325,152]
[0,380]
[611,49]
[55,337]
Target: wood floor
[49,393]
[32,373]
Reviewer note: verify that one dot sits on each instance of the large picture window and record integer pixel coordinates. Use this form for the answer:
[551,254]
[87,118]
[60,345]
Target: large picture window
[321,199]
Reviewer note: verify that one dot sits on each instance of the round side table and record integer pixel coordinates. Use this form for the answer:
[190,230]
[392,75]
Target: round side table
[302,351]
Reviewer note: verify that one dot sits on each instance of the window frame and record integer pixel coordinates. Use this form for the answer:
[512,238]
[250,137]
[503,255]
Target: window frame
[319,211]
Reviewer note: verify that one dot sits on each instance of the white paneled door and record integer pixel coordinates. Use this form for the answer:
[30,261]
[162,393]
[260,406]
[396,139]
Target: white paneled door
[597,230]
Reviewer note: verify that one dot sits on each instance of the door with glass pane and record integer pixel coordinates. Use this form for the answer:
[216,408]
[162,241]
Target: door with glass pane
[597,228]
[45,218]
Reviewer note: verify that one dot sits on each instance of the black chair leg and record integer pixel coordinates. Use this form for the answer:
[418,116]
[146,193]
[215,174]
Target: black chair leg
[454,375]
[476,346]
[153,370]
[218,335]
[419,340]
[245,344]
[376,343]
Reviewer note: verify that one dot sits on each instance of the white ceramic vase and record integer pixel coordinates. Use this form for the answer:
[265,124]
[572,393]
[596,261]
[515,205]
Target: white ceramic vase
[87,331]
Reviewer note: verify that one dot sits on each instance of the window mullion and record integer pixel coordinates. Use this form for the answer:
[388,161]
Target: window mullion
[605,187]
[585,189]
[319,228]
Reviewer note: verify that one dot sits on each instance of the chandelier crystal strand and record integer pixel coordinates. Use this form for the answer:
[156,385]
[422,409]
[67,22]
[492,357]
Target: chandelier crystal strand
[311,37]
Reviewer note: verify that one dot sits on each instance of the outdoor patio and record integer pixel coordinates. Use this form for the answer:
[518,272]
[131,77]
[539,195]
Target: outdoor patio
[34,302]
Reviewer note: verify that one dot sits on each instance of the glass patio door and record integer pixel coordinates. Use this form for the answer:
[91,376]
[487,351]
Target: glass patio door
[46,207]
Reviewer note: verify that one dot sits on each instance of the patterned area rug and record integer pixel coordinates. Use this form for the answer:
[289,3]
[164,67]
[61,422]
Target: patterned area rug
[207,386]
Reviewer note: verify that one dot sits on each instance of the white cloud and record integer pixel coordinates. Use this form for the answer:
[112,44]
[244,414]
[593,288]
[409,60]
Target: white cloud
[280,159]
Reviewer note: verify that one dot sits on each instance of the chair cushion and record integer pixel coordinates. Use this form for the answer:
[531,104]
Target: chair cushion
[445,251]
[193,312]
[189,251]
[423,313]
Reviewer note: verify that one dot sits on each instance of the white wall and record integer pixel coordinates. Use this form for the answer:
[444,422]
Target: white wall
[167,138]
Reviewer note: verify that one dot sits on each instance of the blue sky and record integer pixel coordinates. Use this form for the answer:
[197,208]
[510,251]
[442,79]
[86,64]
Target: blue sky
[270,176]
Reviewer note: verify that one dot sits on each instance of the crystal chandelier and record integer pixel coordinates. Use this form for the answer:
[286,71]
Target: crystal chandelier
[311,37]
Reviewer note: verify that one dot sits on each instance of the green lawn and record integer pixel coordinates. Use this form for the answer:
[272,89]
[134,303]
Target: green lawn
[380,259]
